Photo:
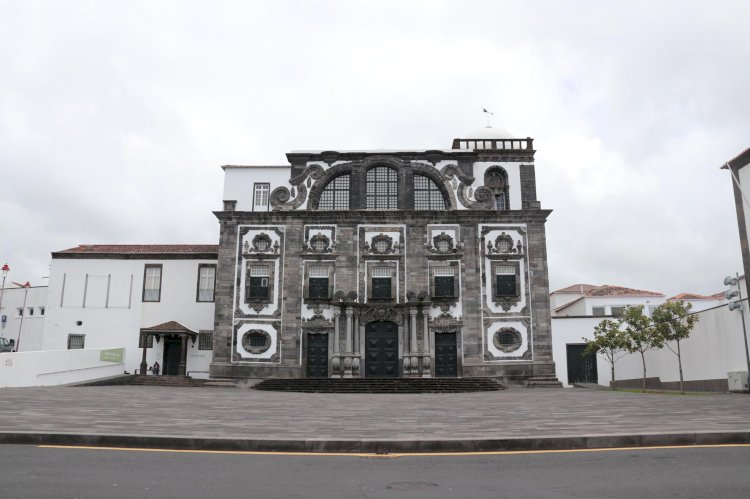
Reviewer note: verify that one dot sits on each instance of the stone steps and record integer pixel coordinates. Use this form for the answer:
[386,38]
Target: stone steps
[380,385]
[546,381]
[166,381]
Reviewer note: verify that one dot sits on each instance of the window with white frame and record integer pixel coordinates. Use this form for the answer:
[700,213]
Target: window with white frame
[444,284]
[335,196]
[617,310]
[260,196]
[152,283]
[382,188]
[598,311]
[427,195]
[206,282]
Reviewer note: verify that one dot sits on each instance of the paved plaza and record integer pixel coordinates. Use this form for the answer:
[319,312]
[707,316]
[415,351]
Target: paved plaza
[232,413]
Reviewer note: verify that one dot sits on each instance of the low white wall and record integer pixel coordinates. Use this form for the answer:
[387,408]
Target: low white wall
[714,348]
[58,367]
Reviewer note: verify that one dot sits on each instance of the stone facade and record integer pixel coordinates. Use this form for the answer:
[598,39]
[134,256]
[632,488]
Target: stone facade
[445,274]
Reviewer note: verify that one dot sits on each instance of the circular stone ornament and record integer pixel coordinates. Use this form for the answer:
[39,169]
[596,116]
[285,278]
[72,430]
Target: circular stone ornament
[507,339]
[256,341]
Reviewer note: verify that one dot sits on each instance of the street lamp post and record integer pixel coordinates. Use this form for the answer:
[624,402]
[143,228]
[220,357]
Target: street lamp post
[26,287]
[5,270]
[737,305]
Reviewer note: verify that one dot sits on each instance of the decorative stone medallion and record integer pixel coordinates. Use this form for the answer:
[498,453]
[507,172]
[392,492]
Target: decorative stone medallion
[256,341]
[507,339]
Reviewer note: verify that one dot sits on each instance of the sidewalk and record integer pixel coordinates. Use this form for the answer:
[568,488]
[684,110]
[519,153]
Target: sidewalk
[241,419]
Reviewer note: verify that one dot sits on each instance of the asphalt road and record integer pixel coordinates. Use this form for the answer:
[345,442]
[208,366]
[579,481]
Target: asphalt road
[28,471]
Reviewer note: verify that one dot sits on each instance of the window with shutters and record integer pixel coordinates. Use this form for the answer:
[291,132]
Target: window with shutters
[381,283]
[444,281]
[206,282]
[258,278]
[505,280]
[260,196]
[152,283]
[318,282]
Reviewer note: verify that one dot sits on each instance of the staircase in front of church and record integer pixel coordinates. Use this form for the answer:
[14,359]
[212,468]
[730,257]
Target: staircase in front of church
[380,385]
[166,381]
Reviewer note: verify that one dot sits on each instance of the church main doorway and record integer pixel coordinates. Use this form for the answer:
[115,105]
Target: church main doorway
[381,350]
[317,355]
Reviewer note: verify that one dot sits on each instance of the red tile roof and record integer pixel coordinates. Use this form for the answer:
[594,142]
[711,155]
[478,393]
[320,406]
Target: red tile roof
[135,249]
[168,327]
[576,288]
[608,290]
[693,296]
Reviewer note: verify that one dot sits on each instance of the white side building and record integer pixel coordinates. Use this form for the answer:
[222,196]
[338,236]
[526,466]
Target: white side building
[104,296]
[22,313]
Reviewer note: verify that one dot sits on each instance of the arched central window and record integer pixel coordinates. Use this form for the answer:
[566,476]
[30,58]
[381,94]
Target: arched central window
[382,188]
[335,196]
[427,195]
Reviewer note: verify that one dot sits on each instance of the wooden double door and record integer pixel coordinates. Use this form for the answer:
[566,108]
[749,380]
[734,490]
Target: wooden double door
[381,350]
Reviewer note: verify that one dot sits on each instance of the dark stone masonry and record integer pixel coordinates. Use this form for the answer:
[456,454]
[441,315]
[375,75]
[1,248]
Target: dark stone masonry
[389,264]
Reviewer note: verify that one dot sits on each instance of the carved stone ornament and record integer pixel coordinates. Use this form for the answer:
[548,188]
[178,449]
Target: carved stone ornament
[319,243]
[443,243]
[381,314]
[381,245]
[445,322]
[504,244]
[507,339]
[262,243]
[284,200]
[507,302]
[256,341]
[317,323]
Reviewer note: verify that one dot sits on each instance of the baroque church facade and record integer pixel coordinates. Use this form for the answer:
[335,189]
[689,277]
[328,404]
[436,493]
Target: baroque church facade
[411,263]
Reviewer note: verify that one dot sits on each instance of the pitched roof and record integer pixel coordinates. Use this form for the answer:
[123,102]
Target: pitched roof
[740,160]
[693,296]
[140,251]
[168,327]
[608,290]
[576,288]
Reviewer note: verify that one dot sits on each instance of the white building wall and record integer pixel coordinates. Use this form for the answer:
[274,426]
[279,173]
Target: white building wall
[31,327]
[75,308]
[238,183]
[715,347]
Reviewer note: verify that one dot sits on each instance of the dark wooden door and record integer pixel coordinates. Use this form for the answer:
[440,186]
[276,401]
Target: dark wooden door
[381,350]
[446,355]
[317,355]
[172,351]
[581,368]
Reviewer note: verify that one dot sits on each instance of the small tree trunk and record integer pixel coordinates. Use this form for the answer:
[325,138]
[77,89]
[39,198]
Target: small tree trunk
[679,363]
[613,376]
[643,384]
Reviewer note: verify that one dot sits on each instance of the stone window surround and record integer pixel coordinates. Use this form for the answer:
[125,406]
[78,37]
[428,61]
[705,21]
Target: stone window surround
[456,280]
[394,280]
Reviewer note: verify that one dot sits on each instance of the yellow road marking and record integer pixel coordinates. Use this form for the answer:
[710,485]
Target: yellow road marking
[392,454]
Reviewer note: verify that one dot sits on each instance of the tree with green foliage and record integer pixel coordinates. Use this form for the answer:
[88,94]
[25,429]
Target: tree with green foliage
[674,322]
[609,343]
[640,335]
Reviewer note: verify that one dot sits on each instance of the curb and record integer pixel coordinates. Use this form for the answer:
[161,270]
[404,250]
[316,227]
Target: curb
[378,446]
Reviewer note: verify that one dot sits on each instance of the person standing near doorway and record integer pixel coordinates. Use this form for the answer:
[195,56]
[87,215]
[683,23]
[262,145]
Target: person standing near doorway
[155,369]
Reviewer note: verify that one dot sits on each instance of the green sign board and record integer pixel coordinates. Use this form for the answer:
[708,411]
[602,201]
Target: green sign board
[112,355]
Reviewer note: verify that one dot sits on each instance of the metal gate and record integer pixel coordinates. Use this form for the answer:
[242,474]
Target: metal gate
[446,355]
[317,355]
[581,368]
[381,350]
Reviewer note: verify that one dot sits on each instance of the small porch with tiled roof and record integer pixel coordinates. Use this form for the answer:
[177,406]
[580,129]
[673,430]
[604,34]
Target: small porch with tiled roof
[165,331]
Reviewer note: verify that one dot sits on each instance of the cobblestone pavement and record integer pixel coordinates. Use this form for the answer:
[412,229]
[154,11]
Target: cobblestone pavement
[250,414]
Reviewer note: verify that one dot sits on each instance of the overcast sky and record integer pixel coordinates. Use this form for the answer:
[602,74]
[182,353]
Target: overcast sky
[116,116]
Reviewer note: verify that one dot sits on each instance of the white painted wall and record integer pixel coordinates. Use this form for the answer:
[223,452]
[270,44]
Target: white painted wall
[48,368]
[715,348]
[119,321]
[34,312]
[238,183]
